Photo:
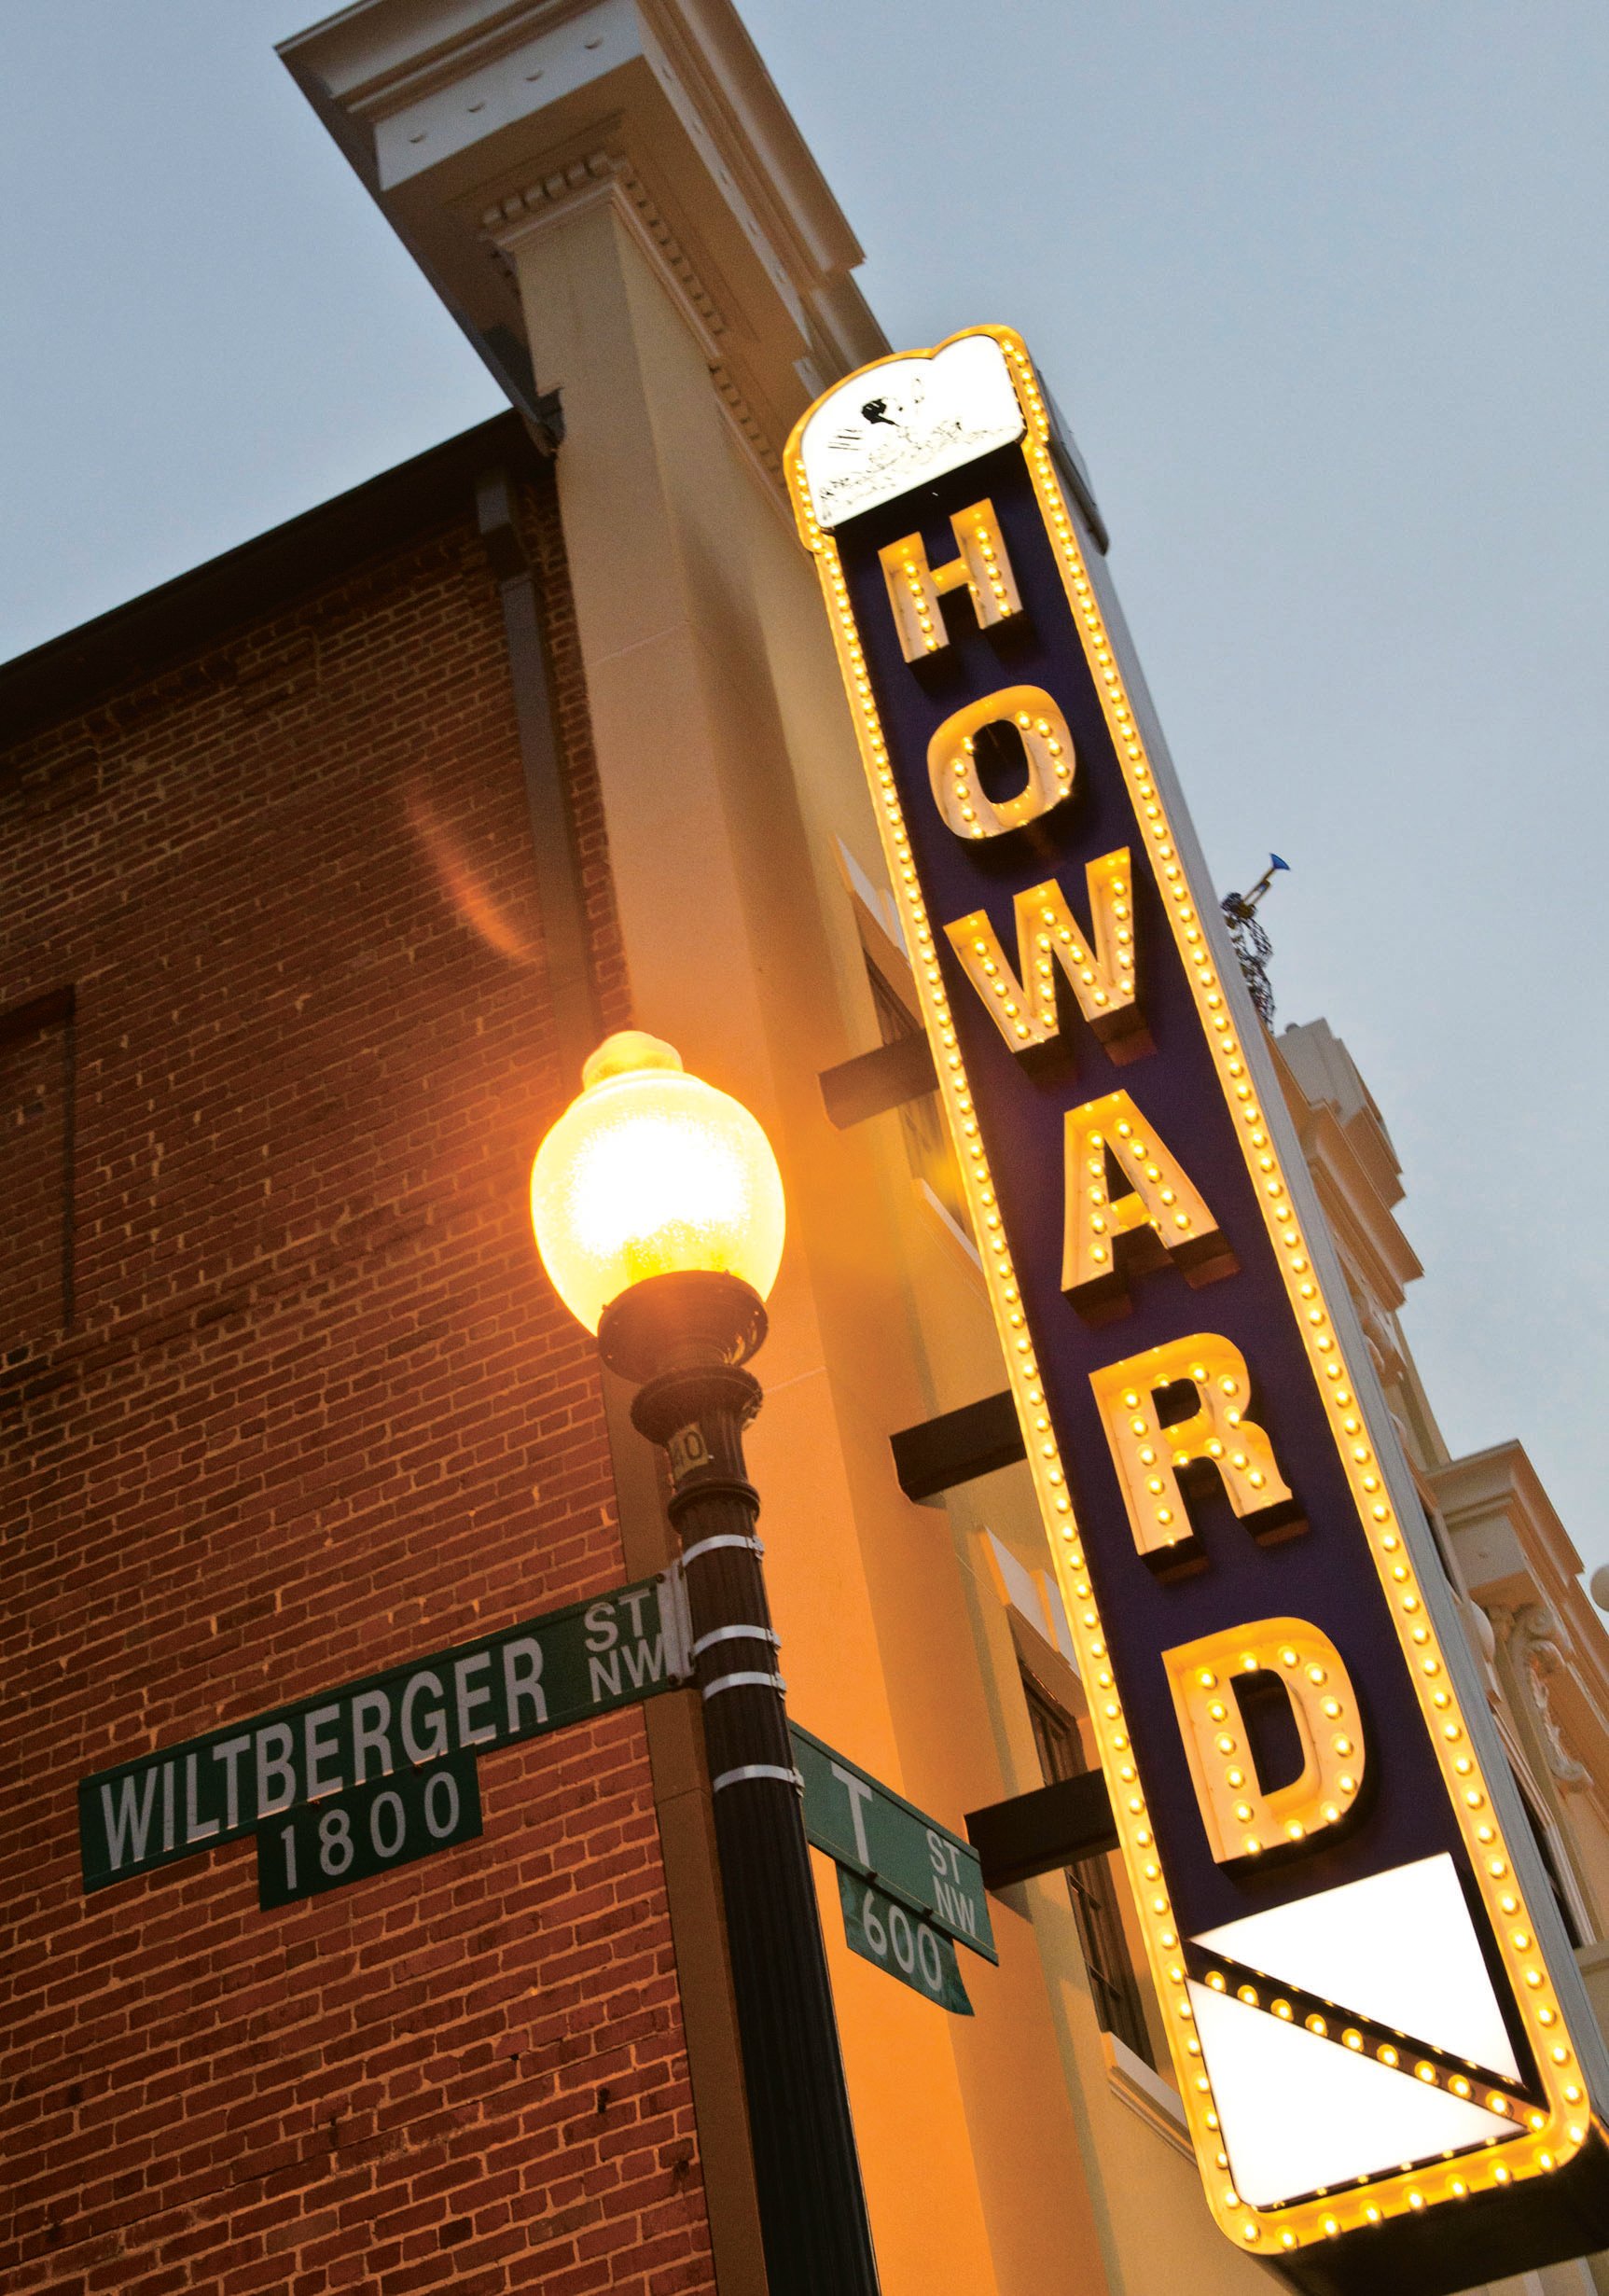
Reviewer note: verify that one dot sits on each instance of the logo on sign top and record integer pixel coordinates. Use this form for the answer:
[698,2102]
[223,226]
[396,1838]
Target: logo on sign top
[1374,2022]
[925,416]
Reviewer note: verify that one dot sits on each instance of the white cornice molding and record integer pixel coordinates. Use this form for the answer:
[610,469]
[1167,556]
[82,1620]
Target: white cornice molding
[1512,1545]
[449,108]
[1330,1076]
[381,57]
[1349,1155]
[609,175]
[564,194]
[1365,1229]
[1515,1555]
[709,47]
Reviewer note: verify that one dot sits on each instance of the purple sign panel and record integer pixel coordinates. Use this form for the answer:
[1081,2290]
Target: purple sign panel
[1385,2052]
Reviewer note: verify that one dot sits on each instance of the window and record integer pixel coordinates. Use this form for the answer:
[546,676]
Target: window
[1094,1883]
[35,1169]
[926,1138]
[1544,1835]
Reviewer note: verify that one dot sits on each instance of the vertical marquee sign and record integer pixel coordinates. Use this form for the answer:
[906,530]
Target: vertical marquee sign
[1384,2050]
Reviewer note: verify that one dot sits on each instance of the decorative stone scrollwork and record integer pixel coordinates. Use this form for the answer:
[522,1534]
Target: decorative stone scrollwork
[1538,1645]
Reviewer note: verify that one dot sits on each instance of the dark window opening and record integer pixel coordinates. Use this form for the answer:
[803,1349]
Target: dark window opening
[1093,1883]
[926,1136]
[1542,1835]
[1438,1539]
[36,1096]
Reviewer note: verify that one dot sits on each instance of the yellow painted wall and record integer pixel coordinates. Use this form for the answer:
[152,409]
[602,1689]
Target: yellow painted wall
[997,2153]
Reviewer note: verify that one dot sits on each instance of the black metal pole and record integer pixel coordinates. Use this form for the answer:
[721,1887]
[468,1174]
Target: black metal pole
[686,1339]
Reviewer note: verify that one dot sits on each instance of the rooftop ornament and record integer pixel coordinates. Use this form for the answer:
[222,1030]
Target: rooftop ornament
[1252,943]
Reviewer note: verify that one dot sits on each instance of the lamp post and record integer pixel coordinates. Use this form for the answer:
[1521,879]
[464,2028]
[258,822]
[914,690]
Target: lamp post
[658,1213]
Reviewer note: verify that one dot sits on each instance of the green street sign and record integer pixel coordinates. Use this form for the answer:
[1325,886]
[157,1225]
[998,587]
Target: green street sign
[882,1931]
[519,1682]
[367,1829]
[877,1833]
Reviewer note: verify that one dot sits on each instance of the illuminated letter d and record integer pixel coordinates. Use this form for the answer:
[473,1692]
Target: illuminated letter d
[1271,1724]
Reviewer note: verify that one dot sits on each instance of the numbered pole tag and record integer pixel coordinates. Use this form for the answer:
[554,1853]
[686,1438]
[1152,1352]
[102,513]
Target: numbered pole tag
[352,1836]
[883,1931]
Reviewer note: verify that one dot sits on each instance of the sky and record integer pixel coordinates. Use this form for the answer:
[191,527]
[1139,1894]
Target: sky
[1322,289]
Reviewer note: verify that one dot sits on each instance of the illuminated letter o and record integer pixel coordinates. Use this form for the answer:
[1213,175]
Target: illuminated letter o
[952,767]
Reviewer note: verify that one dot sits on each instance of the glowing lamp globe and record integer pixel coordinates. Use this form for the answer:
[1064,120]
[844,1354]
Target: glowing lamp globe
[651,1172]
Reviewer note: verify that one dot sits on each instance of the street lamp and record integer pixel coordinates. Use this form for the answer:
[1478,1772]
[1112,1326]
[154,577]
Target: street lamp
[658,1214]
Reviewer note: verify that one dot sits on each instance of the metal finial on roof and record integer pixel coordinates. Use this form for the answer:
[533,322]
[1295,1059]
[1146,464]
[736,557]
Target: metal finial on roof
[1252,943]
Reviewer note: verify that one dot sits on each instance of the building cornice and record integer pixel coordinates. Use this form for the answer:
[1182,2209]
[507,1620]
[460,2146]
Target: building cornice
[1512,1546]
[1521,1564]
[602,174]
[1354,1167]
[450,110]
[384,56]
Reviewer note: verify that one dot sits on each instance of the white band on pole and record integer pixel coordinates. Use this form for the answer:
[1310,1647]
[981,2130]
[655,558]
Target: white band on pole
[722,1538]
[742,1682]
[735,1634]
[757,1769]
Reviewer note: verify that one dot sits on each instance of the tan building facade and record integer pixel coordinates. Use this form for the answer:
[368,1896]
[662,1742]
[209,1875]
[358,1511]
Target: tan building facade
[614,203]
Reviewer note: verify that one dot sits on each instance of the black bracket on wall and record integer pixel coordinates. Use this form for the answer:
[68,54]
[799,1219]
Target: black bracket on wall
[873,1082]
[1035,1833]
[957,1446]
[545,423]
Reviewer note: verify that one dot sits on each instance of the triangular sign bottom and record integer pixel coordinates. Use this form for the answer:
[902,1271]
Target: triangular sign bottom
[1397,1950]
[1298,2113]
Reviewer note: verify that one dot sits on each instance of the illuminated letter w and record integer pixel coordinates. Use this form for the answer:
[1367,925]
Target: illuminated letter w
[1098,966]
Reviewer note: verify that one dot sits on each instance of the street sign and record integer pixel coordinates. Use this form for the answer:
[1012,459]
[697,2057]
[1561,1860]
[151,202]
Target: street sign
[519,1682]
[875,1832]
[882,1931]
[367,1829]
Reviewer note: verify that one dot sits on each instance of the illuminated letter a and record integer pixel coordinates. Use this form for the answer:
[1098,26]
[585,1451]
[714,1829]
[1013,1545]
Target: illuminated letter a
[1117,1227]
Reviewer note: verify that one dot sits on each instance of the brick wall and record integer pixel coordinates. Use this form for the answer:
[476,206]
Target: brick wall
[315,1412]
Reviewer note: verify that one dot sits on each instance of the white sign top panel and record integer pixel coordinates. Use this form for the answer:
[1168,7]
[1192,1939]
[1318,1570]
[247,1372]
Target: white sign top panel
[892,427]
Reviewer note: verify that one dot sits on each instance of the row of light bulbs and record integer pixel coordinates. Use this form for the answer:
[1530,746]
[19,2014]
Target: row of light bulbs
[1310,2221]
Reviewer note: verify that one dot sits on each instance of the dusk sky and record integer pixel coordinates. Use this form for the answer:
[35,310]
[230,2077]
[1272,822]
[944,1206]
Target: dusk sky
[1323,292]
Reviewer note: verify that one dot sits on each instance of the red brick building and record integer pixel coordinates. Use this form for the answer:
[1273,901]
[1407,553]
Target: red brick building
[285,1400]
